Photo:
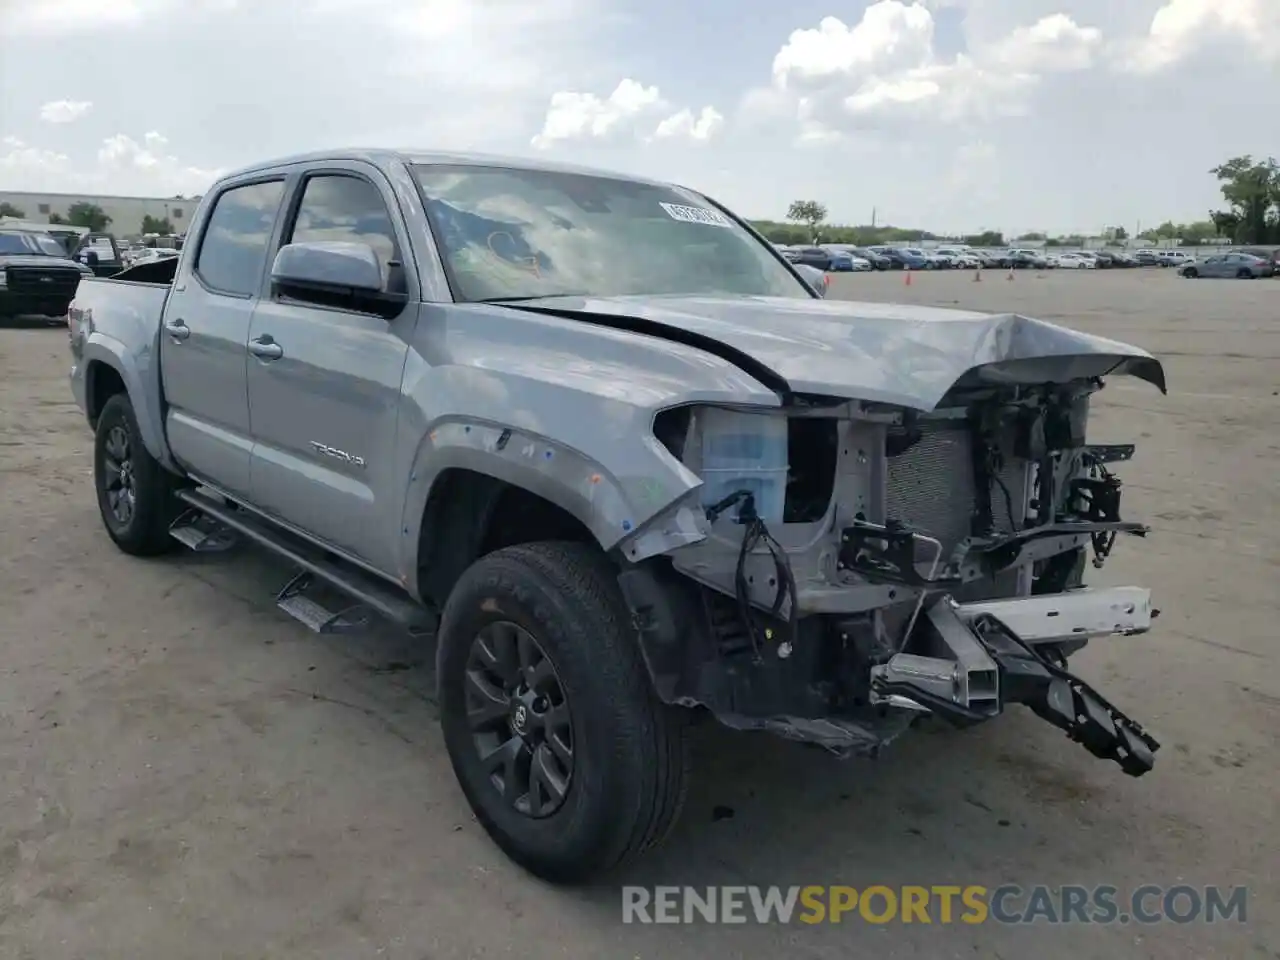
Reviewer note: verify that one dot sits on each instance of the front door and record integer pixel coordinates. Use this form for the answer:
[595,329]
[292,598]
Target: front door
[206,325]
[324,410]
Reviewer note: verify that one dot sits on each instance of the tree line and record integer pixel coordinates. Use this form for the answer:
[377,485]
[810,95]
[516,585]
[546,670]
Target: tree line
[90,216]
[1251,189]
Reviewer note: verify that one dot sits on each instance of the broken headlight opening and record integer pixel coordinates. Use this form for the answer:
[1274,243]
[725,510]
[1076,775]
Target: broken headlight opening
[861,565]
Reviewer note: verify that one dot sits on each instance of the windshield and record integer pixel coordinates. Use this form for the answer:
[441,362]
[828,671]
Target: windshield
[31,244]
[510,233]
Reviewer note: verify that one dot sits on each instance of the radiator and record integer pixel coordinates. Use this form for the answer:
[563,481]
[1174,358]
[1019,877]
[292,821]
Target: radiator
[930,488]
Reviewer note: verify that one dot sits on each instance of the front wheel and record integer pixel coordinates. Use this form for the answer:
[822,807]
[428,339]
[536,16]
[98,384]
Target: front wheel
[135,493]
[559,743]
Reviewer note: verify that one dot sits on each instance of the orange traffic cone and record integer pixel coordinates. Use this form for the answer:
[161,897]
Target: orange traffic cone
[906,276]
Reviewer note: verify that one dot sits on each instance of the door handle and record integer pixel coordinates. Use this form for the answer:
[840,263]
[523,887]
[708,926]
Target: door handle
[264,348]
[177,329]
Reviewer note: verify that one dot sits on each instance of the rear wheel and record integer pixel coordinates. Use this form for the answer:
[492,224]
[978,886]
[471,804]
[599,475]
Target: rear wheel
[562,749]
[1244,274]
[1191,273]
[135,493]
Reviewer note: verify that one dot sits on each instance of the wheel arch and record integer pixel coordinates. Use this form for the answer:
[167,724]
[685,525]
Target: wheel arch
[465,477]
[107,373]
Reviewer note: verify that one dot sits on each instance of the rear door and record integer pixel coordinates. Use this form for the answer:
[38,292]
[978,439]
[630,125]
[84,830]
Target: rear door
[324,411]
[206,326]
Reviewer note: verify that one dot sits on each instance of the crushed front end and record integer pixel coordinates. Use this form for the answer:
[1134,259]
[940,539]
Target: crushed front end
[918,563]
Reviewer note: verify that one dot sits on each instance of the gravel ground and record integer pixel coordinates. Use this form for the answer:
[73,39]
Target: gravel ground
[186,773]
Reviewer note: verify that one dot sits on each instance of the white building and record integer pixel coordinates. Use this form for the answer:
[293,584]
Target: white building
[126,213]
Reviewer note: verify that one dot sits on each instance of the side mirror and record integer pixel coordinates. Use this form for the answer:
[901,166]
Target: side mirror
[329,266]
[91,258]
[816,279]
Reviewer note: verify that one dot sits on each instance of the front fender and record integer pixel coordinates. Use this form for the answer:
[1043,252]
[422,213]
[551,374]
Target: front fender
[610,507]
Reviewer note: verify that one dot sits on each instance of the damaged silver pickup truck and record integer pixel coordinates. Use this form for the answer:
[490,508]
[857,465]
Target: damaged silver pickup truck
[625,461]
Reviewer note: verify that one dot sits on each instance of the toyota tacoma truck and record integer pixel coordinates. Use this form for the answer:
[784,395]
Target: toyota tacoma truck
[624,462]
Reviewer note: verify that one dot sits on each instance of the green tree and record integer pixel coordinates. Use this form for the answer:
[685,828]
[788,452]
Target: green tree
[7,209]
[988,238]
[55,218]
[85,214]
[809,212]
[159,225]
[1119,233]
[1252,191]
[1030,237]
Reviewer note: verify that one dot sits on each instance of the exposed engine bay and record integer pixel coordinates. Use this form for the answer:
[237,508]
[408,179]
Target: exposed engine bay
[915,563]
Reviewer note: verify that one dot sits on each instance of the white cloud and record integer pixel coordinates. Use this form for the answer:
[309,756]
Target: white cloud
[64,111]
[121,165]
[885,69]
[625,113]
[688,125]
[891,37]
[22,164]
[1182,27]
[1053,44]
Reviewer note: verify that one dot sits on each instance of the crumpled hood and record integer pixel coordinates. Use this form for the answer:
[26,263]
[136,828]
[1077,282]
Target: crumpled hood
[901,354]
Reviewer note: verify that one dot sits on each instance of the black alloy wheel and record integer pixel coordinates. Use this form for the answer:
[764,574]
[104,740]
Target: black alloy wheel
[520,719]
[567,757]
[117,475]
[135,493]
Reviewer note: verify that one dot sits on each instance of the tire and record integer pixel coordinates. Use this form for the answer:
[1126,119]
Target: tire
[629,770]
[144,532]
[1244,275]
[1190,273]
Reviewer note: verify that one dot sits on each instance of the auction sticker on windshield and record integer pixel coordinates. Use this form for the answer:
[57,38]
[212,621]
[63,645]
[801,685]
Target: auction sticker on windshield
[712,218]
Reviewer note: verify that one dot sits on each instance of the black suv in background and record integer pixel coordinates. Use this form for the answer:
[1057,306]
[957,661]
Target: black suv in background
[36,276]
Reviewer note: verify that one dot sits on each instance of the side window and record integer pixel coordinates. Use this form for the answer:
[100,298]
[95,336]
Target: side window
[345,208]
[236,236]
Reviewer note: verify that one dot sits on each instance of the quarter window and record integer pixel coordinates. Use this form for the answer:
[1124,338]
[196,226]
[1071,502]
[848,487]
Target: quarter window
[236,236]
[345,208]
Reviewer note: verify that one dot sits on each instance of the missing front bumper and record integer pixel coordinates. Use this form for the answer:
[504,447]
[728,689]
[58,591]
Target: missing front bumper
[974,659]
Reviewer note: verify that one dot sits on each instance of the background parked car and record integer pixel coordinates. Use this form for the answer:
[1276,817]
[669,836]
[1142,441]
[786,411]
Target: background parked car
[961,257]
[930,262]
[878,261]
[811,257]
[1147,258]
[1269,254]
[1173,258]
[1240,266]
[1075,261]
[1023,259]
[900,259]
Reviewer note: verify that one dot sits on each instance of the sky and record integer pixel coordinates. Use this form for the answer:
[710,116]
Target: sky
[949,115]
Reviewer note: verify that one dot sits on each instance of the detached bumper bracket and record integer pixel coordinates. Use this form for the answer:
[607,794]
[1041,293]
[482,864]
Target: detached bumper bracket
[1064,700]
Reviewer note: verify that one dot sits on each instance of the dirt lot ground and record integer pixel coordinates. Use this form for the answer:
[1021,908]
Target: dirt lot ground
[185,773]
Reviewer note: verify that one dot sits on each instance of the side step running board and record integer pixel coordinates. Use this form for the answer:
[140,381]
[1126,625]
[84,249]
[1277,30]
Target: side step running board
[367,590]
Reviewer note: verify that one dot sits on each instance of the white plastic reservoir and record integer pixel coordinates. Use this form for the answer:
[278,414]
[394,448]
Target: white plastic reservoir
[745,451]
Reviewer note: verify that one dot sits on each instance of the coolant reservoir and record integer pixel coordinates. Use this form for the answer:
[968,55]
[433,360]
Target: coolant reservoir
[745,451]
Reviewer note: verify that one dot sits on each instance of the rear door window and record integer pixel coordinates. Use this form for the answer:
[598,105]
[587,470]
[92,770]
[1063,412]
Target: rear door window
[233,252]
